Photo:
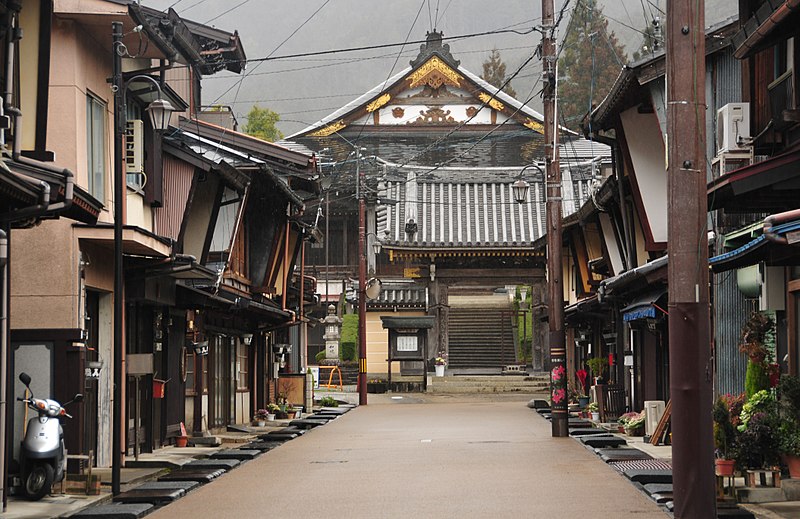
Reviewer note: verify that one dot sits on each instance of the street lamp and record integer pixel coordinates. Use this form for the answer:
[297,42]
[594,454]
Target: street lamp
[159,112]
[555,317]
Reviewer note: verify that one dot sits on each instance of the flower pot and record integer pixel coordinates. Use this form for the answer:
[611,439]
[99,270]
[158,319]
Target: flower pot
[261,423]
[270,417]
[439,370]
[723,467]
[595,416]
[583,401]
[793,462]
[181,441]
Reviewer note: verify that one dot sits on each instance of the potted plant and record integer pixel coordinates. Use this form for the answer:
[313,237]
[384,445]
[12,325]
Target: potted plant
[272,410]
[598,366]
[724,438]
[594,411]
[328,401]
[583,400]
[440,362]
[755,332]
[377,385]
[632,423]
[789,430]
[758,440]
[260,418]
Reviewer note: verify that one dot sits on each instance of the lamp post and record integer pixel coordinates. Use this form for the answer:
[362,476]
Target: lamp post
[159,112]
[558,356]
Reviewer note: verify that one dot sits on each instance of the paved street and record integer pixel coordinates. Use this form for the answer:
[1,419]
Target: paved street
[425,456]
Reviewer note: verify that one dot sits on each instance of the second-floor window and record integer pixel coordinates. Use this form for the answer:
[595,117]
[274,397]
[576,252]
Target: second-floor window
[96,146]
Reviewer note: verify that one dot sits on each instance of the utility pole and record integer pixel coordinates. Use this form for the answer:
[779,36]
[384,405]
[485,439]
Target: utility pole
[689,344]
[558,351]
[362,283]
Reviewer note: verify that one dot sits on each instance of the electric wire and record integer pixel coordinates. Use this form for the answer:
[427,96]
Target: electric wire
[227,11]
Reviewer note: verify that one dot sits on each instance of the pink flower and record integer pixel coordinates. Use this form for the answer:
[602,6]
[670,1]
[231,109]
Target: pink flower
[558,372]
[558,395]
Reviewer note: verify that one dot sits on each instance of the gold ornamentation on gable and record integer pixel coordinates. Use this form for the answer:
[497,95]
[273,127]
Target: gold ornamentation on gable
[434,115]
[434,73]
[328,130]
[491,101]
[379,102]
[535,126]
[398,112]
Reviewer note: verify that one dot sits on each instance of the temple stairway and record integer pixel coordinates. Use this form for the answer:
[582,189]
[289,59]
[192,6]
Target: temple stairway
[481,339]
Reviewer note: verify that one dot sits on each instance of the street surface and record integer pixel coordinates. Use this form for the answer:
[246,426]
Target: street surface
[424,456]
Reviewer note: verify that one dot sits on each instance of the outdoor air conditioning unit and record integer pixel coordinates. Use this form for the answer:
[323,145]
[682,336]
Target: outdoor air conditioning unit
[733,128]
[134,147]
[653,411]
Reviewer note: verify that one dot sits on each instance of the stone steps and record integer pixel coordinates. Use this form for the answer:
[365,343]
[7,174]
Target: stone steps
[480,337]
[489,384]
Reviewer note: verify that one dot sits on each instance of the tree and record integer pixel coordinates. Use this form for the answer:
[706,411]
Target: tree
[261,123]
[494,73]
[590,62]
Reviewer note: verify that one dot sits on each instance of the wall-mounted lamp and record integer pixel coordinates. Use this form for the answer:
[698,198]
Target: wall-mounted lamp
[247,338]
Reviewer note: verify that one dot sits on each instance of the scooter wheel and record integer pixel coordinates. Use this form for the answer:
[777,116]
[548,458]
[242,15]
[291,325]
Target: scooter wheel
[38,481]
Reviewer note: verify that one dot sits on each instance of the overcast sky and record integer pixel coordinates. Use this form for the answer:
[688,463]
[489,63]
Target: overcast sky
[303,90]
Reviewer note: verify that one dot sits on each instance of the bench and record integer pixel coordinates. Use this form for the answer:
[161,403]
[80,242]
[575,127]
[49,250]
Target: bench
[750,477]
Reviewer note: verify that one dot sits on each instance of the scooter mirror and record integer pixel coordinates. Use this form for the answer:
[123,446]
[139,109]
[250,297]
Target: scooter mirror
[25,378]
[78,398]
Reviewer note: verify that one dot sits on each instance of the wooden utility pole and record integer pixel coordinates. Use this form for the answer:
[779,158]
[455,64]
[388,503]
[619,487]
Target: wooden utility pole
[689,344]
[558,352]
[362,282]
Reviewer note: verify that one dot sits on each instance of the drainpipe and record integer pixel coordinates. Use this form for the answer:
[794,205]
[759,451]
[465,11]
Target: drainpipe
[775,219]
[3,356]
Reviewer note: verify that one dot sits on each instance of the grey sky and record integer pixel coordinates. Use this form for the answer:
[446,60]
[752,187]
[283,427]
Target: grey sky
[303,90]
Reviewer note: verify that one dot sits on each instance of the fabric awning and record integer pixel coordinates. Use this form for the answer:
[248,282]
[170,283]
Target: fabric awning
[644,307]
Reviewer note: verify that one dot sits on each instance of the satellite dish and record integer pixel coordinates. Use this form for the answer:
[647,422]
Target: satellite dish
[373,288]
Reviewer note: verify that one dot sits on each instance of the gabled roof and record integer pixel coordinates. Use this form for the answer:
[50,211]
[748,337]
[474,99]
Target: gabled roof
[434,66]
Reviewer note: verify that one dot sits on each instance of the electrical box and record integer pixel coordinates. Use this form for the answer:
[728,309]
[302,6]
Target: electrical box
[733,127]
[653,411]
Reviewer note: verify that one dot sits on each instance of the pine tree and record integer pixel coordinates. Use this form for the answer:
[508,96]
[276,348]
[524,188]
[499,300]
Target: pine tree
[494,73]
[590,62]
[261,123]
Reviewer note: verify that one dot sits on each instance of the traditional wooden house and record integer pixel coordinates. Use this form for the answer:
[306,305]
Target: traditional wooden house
[633,297]
[235,221]
[62,315]
[754,198]
[441,150]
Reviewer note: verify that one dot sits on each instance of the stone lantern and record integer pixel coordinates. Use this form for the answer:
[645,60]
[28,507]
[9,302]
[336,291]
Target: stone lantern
[333,327]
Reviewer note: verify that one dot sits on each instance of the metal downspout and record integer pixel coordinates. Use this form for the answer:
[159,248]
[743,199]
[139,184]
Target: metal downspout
[775,219]
[4,348]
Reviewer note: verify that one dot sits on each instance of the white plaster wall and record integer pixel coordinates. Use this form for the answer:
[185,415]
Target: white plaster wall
[646,145]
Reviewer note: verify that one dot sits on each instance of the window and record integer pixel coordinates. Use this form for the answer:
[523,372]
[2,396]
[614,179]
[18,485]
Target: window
[96,146]
[241,366]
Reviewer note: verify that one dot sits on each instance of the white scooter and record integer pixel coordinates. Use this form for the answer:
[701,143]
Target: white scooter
[43,456]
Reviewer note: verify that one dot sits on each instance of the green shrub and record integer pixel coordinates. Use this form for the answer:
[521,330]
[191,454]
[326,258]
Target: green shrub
[755,378]
[348,349]
[320,356]
[328,401]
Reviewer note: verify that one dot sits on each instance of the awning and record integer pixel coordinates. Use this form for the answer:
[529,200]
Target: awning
[770,186]
[645,306]
[761,249]
[135,240]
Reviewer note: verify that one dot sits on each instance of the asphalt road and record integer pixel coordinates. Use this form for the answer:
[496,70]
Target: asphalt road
[421,457]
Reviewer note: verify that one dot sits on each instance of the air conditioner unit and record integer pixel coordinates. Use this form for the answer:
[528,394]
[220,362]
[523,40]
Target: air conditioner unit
[134,147]
[653,411]
[733,127]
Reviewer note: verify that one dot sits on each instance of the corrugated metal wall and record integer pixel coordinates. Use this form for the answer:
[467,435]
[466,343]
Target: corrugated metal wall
[177,184]
[731,310]
[724,79]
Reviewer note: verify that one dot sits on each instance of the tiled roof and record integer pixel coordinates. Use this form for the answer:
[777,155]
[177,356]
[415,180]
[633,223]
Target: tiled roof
[460,208]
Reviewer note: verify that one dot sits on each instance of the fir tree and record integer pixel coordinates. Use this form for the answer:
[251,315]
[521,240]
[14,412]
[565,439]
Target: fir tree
[261,123]
[590,62]
[494,73]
